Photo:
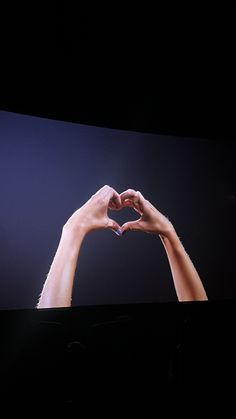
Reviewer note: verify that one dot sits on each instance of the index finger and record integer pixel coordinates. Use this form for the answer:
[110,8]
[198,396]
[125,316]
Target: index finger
[133,199]
[111,197]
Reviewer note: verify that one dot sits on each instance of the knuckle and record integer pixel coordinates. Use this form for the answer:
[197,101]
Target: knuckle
[100,201]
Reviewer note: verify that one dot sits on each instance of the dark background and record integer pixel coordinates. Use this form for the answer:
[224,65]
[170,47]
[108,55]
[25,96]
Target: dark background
[50,168]
[168,70]
[164,72]
[156,69]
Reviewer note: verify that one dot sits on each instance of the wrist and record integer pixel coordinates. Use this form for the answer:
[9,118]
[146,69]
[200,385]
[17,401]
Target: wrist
[170,238]
[73,235]
[76,225]
[167,231]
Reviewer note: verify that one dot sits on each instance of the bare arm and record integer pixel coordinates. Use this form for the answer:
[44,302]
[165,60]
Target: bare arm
[57,289]
[188,284]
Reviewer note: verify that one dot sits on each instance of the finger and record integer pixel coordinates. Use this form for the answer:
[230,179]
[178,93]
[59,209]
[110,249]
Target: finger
[133,199]
[113,225]
[128,203]
[131,225]
[129,198]
[105,191]
[140,201]
[134,206]
[115,202]
[118,232]
[111,197]
[102,190]
[128,194]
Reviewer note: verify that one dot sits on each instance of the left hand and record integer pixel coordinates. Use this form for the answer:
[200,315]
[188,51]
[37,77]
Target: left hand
[151,220]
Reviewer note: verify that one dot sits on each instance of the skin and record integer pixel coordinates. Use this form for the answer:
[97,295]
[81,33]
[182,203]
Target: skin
[57,289]
[188,284]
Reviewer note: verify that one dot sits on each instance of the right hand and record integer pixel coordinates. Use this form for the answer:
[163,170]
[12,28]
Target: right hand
[151,220]
[93,214]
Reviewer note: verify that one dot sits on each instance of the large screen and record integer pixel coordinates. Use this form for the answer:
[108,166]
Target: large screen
[50,168]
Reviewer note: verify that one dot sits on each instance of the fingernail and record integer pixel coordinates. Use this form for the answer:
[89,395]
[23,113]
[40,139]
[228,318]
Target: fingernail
[118,232]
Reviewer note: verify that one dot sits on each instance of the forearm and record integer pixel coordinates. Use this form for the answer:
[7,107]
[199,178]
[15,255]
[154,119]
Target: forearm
[57,289]
[188,284]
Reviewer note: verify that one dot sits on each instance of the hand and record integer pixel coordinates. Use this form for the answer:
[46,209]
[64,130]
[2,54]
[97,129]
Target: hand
[151,220]
[93,214]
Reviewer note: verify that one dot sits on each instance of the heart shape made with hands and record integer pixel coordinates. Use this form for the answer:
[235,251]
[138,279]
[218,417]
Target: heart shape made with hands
[119,231]
[131,199]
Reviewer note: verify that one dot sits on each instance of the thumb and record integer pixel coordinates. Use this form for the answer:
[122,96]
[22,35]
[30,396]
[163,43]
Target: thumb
[131,225]
[113,225]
